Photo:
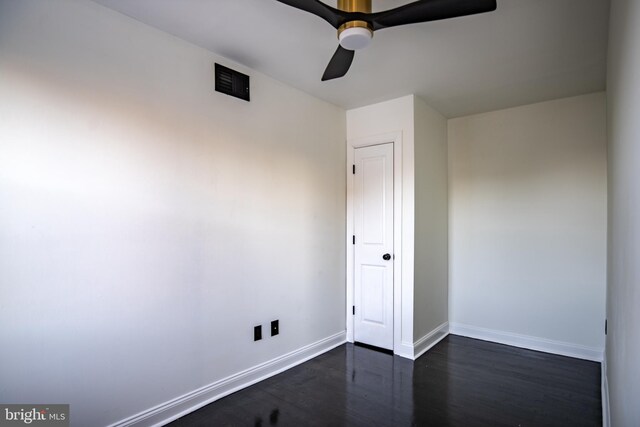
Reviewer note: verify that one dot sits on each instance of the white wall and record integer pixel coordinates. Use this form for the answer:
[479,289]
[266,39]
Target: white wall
[147,223]
[384,118]
[528,223]
[431,221]
[623,296]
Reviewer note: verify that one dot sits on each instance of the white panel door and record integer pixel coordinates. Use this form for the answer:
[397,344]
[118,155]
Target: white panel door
[373,227]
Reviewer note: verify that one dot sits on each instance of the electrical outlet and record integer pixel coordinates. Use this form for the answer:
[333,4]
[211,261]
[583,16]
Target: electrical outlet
[275,327]
[257,333]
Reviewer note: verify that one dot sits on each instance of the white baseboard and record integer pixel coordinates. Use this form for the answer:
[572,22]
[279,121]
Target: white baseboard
[404,350]
[606,417]
[430,339]
[189,402]
[525,341]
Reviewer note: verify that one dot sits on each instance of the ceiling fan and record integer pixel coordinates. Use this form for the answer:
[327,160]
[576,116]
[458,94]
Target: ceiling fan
[355,22]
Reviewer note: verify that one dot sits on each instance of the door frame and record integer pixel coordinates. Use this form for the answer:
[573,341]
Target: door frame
[394,138]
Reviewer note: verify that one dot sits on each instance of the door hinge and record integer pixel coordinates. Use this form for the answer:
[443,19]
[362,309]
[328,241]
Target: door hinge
[354,169]
[605,326]
[354,239]
[354,310]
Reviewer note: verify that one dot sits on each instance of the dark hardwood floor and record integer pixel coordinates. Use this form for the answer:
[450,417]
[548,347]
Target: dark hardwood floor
[459,382]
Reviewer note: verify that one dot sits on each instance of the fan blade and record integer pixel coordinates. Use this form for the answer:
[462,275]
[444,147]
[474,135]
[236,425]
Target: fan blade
[333,16]
[339,64]
[429,10]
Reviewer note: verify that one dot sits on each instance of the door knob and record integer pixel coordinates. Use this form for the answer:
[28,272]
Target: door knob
[386,257]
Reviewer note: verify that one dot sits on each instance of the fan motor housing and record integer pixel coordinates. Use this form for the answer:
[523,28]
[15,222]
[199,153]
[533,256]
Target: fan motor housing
[363,6]
[354,35]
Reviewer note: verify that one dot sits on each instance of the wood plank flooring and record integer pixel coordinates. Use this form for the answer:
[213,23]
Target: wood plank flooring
[459,382]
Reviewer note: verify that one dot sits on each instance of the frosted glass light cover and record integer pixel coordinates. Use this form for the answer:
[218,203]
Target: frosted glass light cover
[355,38]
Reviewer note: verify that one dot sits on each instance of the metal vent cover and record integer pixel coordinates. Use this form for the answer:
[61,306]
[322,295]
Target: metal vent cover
[231,82]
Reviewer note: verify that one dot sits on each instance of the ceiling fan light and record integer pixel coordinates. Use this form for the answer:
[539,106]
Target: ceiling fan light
[355,38]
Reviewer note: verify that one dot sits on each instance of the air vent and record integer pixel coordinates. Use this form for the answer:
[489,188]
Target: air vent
[231,82]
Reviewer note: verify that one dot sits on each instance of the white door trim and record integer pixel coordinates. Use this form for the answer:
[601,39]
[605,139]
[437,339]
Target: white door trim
[352,144]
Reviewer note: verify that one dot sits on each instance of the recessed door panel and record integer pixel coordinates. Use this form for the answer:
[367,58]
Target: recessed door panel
[373,212]
[373,307]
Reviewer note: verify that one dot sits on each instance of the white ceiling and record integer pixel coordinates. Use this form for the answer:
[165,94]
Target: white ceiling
[527,51]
